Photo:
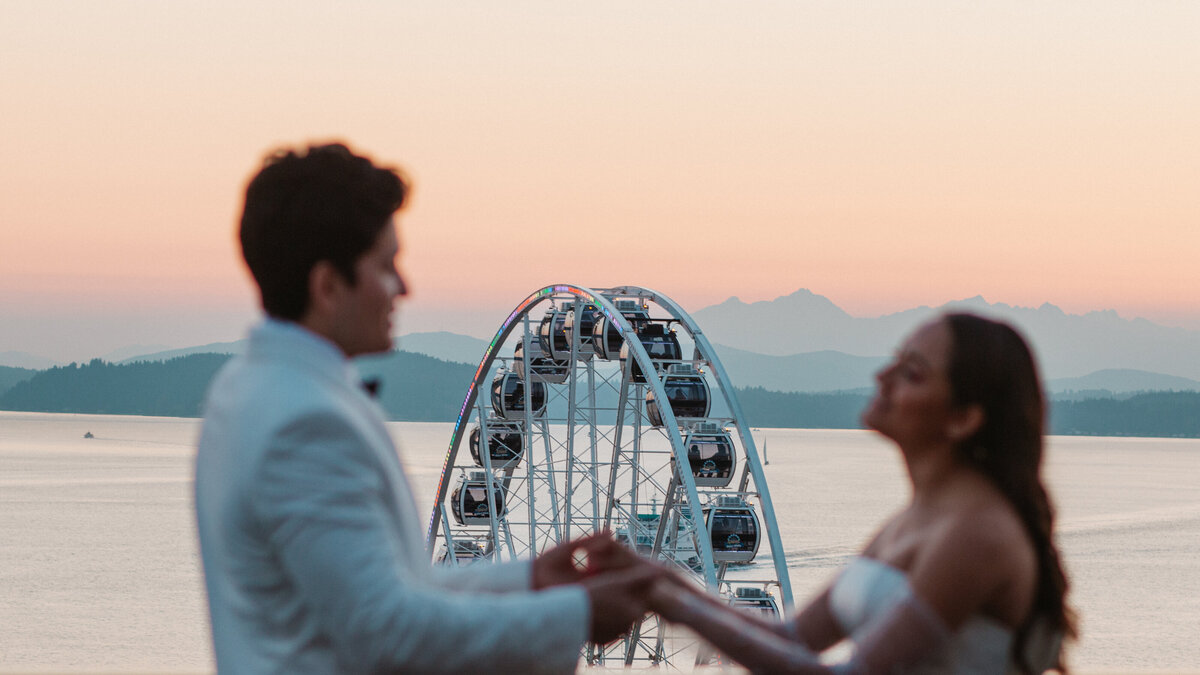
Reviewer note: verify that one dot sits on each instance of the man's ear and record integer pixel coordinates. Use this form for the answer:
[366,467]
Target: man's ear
[966,422]
[325,285]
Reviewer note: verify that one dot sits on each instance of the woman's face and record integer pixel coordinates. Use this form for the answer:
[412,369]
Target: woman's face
[913,405]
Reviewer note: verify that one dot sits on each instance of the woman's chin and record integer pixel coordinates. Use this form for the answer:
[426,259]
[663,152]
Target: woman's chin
[870,415]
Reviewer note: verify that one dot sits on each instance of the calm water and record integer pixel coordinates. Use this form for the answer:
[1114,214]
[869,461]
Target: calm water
[99,568]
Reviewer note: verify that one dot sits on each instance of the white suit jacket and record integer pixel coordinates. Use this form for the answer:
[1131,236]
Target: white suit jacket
[313,550]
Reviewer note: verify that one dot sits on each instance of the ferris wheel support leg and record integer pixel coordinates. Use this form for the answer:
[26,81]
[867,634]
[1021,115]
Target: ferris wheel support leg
[668,506]
[616,453]
[673,526]
[591,371]
[551,485]
[530,502]
[631,643]
[635,475]
[571,411]
[659,639]
[450,554]
[529,424]
[512,551]
[634,639]
[663,521]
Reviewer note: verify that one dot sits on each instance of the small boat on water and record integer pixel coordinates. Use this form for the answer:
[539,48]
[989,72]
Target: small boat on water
[88,435]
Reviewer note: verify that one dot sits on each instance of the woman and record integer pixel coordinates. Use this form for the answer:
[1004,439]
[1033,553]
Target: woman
[966,578]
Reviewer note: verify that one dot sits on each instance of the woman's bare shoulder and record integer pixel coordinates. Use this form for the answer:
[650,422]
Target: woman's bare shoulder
[982,528]
[976,560]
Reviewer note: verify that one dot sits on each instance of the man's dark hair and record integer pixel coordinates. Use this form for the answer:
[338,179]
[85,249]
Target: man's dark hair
[320,203]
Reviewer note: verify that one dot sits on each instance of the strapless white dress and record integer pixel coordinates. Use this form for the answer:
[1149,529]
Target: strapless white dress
[868,587]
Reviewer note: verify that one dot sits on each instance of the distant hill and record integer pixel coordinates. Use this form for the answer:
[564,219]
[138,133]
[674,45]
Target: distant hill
[812,372]
[439,345]
[445,346]
[823,371]
[1154,414]
[796,410]
[173,388]
[820,347]
[26,360]
[419,388]
[11,376]
[227,348]
[118,355]
[1068,345]
[818,371]
[414,387]
[1123,381]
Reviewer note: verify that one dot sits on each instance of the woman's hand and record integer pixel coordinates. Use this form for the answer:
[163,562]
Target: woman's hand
[670,596]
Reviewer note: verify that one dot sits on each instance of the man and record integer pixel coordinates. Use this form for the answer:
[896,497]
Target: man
[311,543]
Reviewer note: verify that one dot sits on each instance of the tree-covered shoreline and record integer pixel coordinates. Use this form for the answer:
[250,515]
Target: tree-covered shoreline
[419,388]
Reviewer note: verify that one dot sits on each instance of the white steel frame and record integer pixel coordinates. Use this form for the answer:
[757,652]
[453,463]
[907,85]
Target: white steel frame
[580,473]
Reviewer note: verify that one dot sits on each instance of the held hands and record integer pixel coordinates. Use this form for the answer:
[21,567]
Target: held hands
[618,599]
[615,578]
[623,596]
[586,556]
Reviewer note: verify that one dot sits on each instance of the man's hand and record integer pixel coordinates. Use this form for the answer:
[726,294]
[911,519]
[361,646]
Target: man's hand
[618,598]
[565,563]
[575,560]
[608,554]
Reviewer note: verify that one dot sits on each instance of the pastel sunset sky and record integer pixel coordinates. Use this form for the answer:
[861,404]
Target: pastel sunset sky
[885,155]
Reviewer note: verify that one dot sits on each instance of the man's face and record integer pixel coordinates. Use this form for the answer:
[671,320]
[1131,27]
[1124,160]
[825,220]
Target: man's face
[364,323]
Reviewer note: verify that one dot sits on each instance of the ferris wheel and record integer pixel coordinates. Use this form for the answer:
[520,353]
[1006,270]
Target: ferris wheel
[609,409]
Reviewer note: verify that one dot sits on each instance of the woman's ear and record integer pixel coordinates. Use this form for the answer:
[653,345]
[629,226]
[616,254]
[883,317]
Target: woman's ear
[965,422]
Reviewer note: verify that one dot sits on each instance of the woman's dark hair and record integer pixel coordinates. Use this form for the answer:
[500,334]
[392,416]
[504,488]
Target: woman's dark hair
[992,366]
[321,203]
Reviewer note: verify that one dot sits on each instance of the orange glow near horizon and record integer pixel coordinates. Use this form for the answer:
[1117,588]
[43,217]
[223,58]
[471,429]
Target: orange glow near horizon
[884,158]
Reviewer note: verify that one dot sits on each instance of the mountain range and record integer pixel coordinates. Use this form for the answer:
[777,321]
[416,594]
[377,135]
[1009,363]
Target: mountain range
[11,359]
[803,342]
[1068,345]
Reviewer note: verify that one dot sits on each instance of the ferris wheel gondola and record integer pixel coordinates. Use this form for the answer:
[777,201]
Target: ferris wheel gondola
[687,392]
[469,503]
[710,455]
[552,334]
[733,529]
[509,400]
[505,443]
[581,325]
[661,345]
[607,338]
[542,367]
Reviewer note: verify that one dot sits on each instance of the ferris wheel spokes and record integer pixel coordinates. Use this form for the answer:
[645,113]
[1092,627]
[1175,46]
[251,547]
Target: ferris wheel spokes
[596,420]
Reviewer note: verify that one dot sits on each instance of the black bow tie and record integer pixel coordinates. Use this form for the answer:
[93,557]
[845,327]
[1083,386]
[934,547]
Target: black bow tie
[371,386]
